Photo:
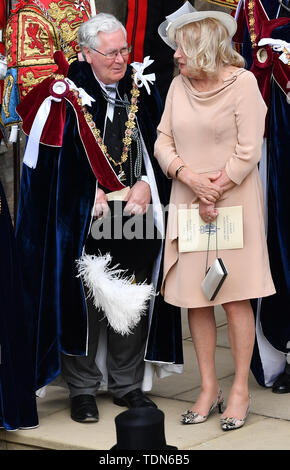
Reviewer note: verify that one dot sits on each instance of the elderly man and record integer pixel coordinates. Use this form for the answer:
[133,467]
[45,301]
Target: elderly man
[103,143]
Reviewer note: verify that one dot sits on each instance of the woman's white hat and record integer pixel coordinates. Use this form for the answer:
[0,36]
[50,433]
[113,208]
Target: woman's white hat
[180,20]
[185,9]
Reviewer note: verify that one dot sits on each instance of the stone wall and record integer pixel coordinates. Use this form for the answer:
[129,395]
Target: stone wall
[117,8]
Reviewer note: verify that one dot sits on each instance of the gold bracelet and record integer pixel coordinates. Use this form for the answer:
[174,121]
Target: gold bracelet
[178,170]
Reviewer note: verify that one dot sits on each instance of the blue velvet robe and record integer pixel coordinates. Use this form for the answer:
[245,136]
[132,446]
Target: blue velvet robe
[267,364]
[17,396]
[54,216]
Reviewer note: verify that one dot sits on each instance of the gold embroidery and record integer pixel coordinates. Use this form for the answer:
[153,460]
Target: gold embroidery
[29,81]
[58,14]
[67,33]
[130,124]
[37,40]
[57,76]
[253,35]
[68,29]
[75,3]
[8,44]
[8,84]
[69,36]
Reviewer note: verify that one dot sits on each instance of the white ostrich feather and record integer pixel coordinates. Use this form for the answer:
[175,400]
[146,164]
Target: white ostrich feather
[122,301]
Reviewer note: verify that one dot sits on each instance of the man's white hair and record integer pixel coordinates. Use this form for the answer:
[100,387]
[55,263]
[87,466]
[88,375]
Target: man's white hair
[102,22]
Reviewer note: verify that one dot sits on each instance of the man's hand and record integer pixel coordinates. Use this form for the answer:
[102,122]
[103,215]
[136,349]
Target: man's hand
[101,205]
[138,198]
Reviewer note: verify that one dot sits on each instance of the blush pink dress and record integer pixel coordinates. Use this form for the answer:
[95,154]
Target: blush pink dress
[210,131]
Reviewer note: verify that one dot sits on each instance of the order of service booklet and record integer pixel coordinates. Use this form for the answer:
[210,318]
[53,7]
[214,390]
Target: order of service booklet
[193,231]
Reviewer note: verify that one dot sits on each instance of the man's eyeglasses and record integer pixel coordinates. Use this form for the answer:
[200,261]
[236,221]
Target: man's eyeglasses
[125,51]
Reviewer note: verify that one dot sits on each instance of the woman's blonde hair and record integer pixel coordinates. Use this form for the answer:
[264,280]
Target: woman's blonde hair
[207,46]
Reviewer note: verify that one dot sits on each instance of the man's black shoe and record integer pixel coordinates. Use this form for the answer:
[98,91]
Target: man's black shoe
[134,399]
[282,383]
[84,409]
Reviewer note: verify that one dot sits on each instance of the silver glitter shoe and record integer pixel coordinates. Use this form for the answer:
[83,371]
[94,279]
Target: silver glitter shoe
[229,424]
[192,417]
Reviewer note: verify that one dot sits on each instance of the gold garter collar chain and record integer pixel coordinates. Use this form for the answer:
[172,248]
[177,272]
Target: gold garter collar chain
[130,125]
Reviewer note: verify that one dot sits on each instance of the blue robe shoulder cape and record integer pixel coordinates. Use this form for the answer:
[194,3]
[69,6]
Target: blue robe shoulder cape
[269,357]
[17,395]
[56,199]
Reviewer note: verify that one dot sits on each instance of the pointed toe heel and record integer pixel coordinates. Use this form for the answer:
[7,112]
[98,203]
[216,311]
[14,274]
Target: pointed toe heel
[229,424]
[192,417]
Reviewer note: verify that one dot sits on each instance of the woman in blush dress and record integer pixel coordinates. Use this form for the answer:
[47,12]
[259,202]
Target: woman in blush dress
[209,143]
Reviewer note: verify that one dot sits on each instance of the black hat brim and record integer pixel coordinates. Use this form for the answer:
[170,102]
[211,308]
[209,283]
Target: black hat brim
[167,447]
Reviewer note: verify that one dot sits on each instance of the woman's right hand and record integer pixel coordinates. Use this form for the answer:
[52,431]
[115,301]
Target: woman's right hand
[202,184]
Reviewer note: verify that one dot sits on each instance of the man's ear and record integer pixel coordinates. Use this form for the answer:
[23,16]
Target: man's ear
[87,54]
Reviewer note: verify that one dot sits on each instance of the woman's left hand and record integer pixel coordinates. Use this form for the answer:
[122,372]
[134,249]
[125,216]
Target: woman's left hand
[207,211]
[224,181]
